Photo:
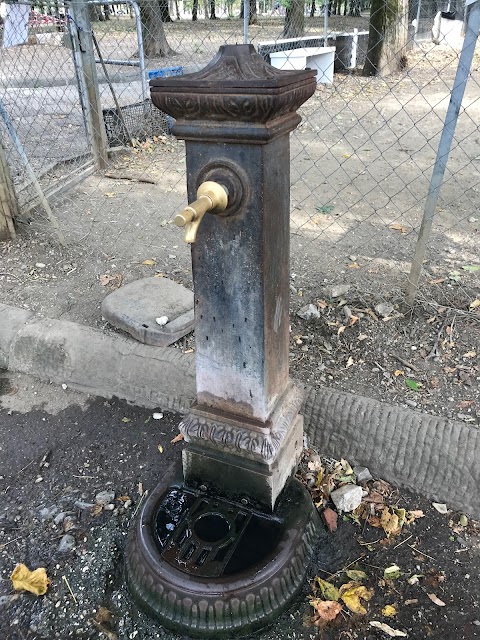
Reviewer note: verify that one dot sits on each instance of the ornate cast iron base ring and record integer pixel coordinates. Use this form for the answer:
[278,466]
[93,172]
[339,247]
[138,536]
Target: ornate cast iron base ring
[212,567]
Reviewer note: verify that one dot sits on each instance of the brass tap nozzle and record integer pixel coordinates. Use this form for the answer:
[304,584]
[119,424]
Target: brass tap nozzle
[212,197]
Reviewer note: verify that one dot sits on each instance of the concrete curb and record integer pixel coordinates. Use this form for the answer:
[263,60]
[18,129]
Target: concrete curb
[434,456]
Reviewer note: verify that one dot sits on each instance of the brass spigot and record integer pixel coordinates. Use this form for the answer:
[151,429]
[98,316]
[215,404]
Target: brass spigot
[211,197]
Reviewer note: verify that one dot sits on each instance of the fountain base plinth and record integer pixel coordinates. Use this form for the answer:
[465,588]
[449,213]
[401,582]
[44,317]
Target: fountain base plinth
[207,565]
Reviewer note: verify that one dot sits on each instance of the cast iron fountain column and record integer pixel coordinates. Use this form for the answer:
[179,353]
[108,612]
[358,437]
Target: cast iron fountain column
[244,434]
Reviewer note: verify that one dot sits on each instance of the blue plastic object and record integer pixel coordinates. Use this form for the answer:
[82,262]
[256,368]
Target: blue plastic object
[165,73]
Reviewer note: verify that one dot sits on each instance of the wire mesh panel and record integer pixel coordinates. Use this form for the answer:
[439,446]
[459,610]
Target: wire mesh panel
[361,160]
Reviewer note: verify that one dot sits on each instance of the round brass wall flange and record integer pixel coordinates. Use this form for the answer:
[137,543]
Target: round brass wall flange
[233,178]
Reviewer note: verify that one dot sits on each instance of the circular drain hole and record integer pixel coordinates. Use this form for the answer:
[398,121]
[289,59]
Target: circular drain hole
[211,527]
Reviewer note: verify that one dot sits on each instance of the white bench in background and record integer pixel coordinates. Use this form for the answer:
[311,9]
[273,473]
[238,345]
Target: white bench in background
[322,59]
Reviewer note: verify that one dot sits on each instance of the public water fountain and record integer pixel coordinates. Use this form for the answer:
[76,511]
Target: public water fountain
[224,545]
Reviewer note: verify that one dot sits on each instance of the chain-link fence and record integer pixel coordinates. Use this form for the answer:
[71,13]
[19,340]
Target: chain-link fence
[74,85]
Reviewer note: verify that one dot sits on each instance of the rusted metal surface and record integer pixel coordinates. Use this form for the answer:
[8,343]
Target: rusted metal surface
[236,116]
[227,550]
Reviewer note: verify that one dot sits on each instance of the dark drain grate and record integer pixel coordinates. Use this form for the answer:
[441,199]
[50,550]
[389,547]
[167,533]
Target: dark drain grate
[210,537]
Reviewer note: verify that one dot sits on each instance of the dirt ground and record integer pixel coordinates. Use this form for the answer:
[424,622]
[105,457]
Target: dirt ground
[360,169]
[60,449]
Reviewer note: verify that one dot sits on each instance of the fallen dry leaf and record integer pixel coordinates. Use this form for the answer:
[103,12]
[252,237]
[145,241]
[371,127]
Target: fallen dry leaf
[436,600]
[325,610]
[110,194]
[328,590]
[33,581]
[149,263]
[474,304]
[350,362]
[393,633]
[390,522]
[356,576]
[389,611]
[396,226]
[351,594]
[330,517]
[103,615]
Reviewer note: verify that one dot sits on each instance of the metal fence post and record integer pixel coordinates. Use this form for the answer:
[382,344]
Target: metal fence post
[8,199]
[84,53]
[444,147]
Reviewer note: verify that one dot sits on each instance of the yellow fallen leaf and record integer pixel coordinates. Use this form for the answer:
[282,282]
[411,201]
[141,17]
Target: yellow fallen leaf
[125,419]
[354,265]
[389,611]
[326,610]
[149,263]
[469,354]
[34,581]
[160,448]
[110,194]
[398,372]
[341,329]
[328,590]
[390,523]
[475,304]
[351,593]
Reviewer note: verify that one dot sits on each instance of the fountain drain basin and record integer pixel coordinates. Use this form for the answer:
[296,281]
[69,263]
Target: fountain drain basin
[210,566]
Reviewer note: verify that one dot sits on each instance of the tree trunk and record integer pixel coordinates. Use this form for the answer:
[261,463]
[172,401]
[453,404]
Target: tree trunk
[195,11]
[252,11]
[212,10]
[177,10]
[294,19]
[164,10]
[205,8]
[154,38]
[387,39]
[312,9]
[106,12]
[8,200]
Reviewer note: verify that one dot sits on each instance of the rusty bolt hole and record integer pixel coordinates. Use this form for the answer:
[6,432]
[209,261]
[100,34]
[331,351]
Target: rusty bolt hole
[211,527]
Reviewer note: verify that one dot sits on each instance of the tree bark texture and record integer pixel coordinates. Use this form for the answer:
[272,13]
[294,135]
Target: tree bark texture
[8,200]
[155,41]
[387,40]
[252,11]
[294,19]
[195,11]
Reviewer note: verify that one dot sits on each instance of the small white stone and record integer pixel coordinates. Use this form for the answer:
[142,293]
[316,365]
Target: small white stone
[40,265]
[162,321]
[363,474]
[104,497]
[157,416]
[347,498]
[309,312]
[64,386]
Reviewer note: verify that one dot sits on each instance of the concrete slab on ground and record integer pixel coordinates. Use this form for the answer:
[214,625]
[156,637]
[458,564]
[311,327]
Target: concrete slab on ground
[138,306]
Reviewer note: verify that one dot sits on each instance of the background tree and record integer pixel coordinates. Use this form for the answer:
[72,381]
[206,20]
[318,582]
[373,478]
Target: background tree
[212,10]
[195,10]
[294,18]
[252,11]
[154,38]
[387,38]
[165,10]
